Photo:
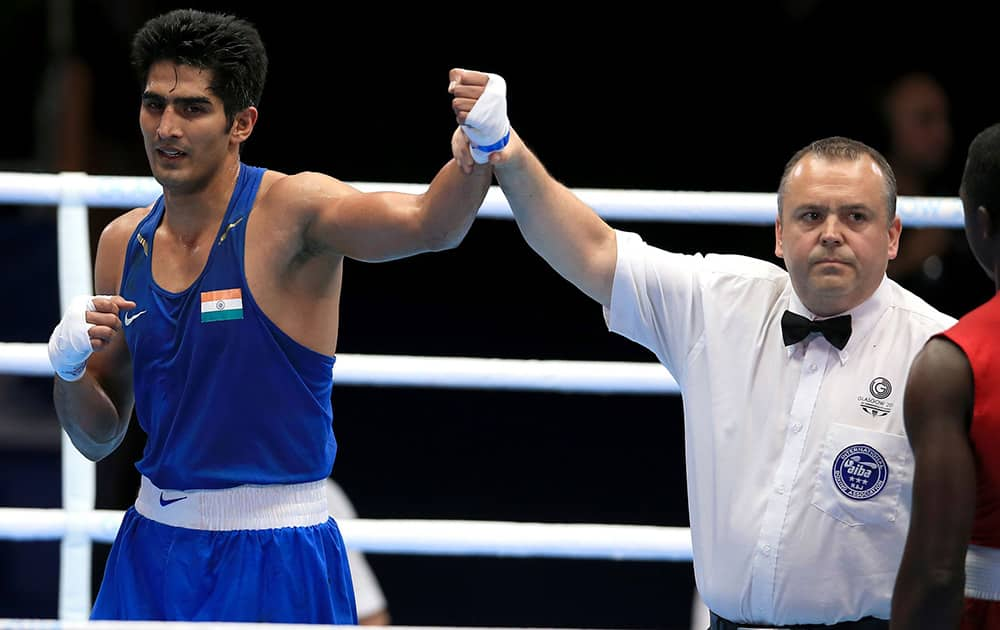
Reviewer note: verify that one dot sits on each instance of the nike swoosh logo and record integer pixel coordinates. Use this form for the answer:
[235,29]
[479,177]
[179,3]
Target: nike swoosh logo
[231,226]
[166,502]
[129,320]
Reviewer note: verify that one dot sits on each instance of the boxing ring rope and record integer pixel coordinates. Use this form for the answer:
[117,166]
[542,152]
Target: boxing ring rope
[613,205]
[78,523]
[45,624]
[596,377]
[414,536]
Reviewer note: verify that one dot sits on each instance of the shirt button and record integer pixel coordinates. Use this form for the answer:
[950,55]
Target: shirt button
[766,550]
[781,489]
[812,367]
[892,517]
[796,427]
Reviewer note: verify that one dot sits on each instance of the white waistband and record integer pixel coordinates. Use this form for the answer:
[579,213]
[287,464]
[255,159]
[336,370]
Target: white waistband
[982,573]
[242,507]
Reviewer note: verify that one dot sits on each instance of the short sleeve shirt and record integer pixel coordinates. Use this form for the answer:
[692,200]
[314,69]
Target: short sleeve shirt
[798,467]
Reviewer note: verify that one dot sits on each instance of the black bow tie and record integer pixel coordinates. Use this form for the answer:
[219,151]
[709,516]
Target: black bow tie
[795,328]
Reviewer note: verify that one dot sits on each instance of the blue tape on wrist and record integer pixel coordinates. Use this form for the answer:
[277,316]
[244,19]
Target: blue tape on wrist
[496,146]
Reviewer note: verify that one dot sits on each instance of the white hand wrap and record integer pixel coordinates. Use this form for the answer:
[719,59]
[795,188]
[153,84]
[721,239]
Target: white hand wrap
[487,125]
[69,345]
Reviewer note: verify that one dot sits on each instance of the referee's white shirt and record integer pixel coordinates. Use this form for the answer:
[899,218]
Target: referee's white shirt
[799,472]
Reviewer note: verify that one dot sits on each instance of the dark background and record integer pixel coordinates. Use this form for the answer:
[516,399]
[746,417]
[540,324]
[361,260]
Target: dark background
[677,97]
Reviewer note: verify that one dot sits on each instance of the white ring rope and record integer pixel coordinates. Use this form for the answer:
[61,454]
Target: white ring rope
[624,205]
[24,359]
[601,377]
[51,624]
[414,536]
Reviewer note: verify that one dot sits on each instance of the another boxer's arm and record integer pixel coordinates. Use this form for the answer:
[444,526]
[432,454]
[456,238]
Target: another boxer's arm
[937,408]
[93,385]
[564,230]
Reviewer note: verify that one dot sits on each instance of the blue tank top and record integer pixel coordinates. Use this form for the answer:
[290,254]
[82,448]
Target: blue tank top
[225,397]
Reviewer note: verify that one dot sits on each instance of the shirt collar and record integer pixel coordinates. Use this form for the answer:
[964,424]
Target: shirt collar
[864,316]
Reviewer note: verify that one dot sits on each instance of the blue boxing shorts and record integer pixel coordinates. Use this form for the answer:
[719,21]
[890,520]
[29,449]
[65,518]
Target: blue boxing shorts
[248,554]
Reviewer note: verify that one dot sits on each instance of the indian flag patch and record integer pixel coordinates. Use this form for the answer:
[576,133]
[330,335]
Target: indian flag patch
[219,306]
